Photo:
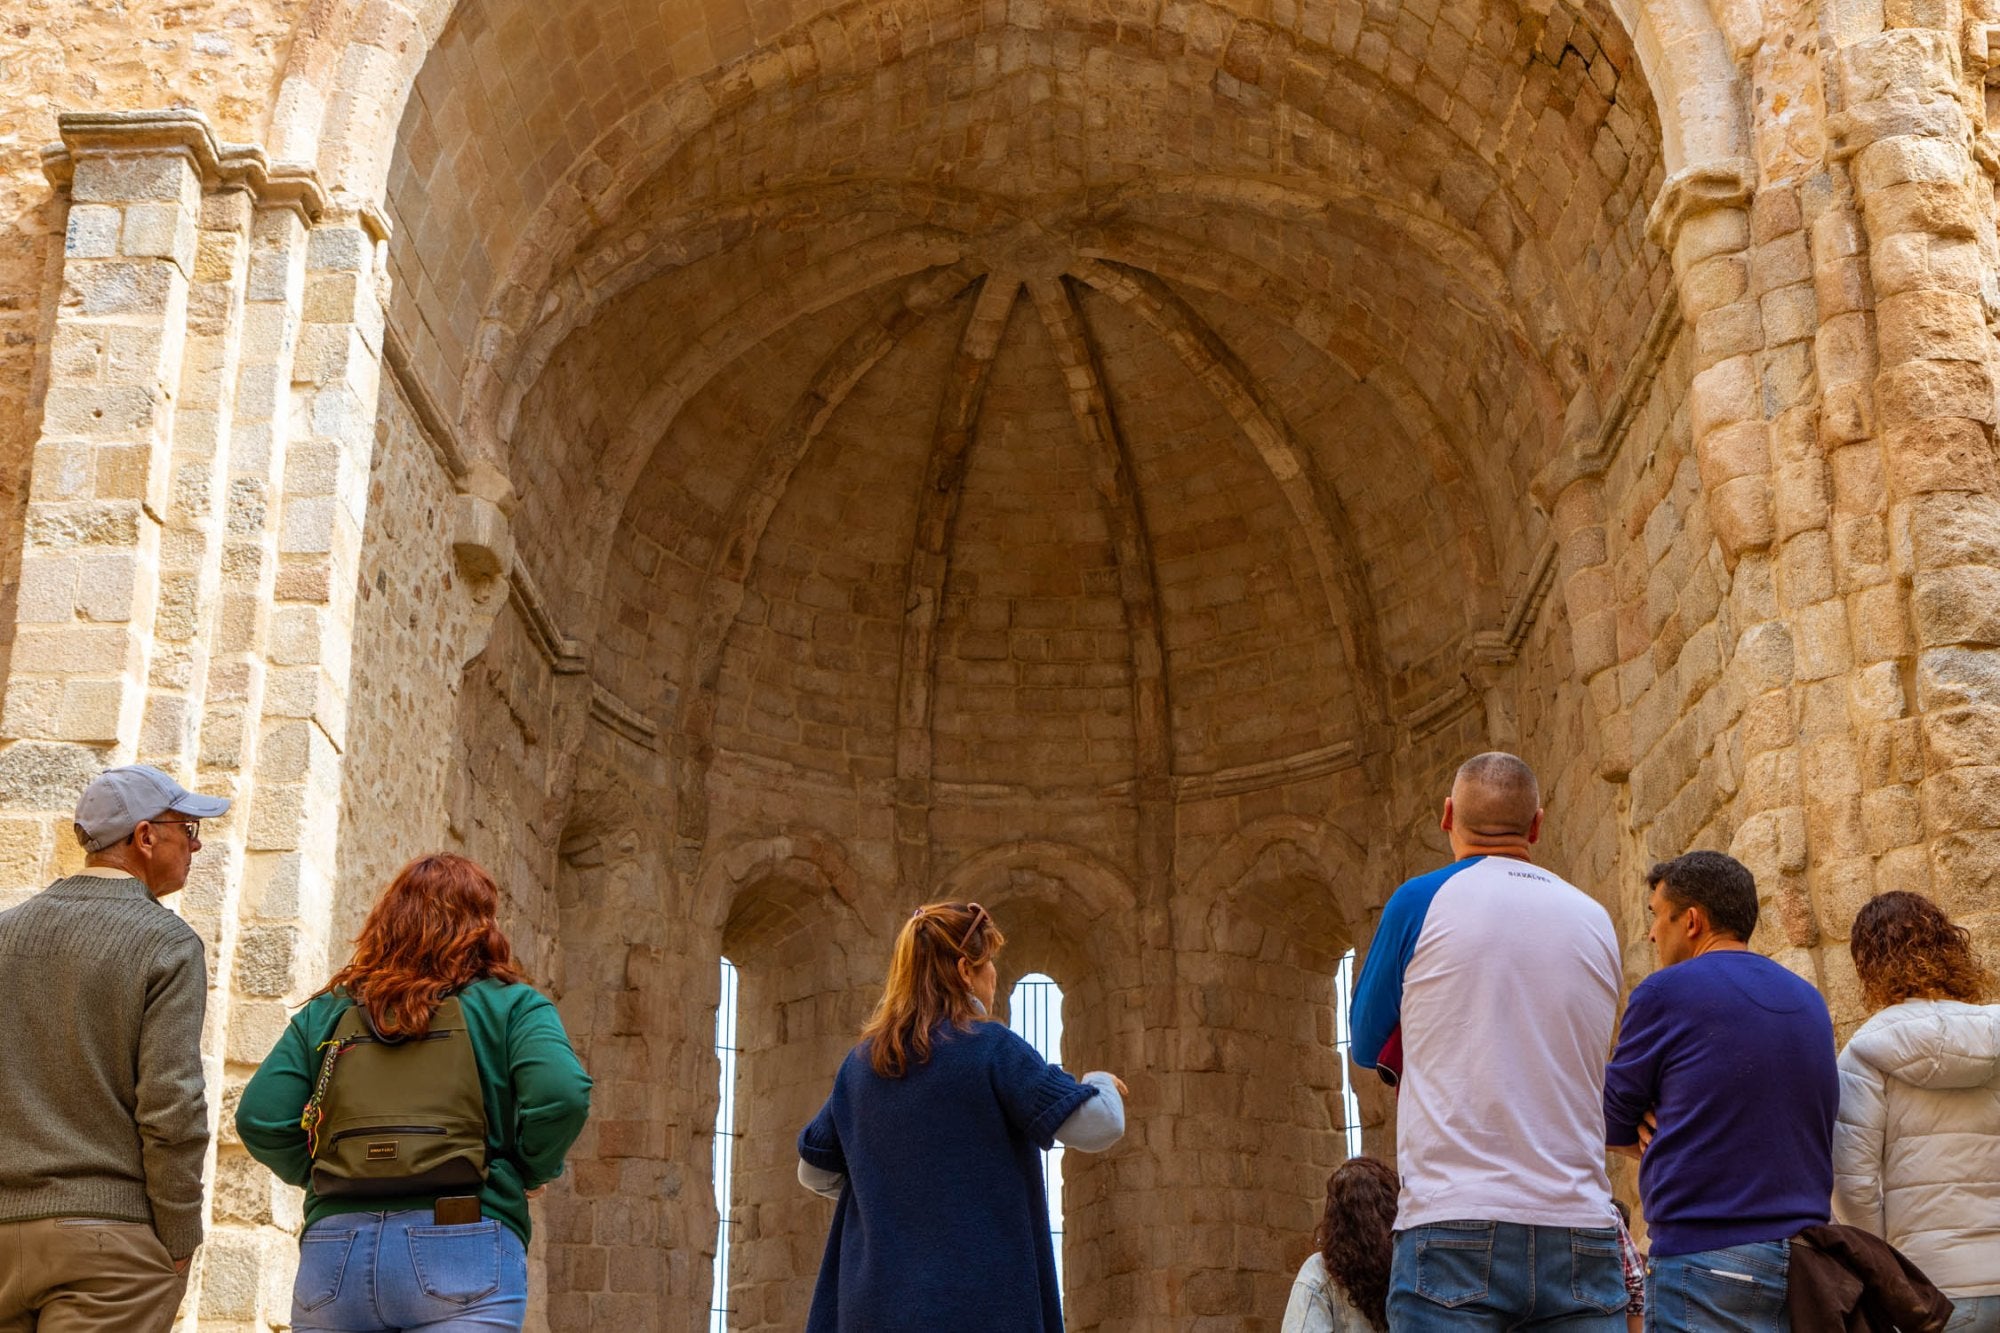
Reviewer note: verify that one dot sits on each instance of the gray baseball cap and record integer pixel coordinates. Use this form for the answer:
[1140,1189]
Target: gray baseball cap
[119,799]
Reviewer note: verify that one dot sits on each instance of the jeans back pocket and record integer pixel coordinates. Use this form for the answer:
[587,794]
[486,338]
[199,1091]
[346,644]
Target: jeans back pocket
[1597,1269]
[458,1264]
[1455,1262]
[322,1267]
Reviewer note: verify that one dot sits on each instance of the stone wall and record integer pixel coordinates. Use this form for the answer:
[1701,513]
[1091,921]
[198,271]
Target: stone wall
[740,475]
[415,624]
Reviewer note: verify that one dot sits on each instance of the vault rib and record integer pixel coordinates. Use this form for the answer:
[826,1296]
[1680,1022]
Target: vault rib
[757,498]
[1117,489]
[930,562]
[1309,315]
[1320,512]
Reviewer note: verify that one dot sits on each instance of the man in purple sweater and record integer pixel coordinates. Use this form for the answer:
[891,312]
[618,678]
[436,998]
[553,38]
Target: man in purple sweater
[1724,1088]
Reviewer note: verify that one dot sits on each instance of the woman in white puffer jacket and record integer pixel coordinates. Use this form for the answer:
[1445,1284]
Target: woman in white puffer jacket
[1916,1153]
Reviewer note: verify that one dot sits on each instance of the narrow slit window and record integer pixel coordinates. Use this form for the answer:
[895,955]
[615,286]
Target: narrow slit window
[723,1164]
[1343,1043]
[1034,1010]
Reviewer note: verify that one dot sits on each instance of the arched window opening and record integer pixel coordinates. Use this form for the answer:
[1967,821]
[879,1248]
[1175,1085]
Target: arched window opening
[1343,1043]
[1034,1010]
[723,1163]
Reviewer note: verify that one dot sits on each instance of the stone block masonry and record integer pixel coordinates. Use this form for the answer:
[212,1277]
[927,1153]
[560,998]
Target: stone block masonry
[742,472]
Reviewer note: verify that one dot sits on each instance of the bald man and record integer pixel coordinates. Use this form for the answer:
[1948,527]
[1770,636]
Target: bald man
[1503,979]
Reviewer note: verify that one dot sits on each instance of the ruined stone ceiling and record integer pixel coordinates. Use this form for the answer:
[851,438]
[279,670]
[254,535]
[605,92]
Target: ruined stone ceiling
[886,282]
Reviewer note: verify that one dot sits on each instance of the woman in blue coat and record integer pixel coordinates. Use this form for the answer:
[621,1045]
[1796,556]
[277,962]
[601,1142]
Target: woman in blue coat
[931,1144]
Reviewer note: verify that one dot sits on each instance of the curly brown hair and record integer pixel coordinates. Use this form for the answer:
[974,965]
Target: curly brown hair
[1354,1235]
[1906,948]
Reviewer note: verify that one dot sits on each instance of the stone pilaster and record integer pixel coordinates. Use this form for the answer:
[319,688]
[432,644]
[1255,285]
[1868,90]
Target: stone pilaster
[1906,127]
[1704,219]
[252,1216]
[90,568]
[287,611]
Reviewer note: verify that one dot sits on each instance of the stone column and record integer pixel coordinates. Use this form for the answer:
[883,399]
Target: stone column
[90,568]
[803,995]
[1743,380]
[1906,124]
[253,1216]
[297,506]
[181,554]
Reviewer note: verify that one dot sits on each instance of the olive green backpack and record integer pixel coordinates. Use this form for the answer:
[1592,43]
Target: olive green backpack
[396,1116]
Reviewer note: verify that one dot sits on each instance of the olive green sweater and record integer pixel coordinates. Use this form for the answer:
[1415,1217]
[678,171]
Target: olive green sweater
[102,1111]
[537,1098]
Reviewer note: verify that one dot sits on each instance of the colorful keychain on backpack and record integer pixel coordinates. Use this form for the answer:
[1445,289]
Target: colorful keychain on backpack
[309,1120]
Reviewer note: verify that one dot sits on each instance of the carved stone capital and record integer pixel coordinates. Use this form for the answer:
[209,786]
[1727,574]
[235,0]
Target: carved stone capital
[186,133]
[1699,189]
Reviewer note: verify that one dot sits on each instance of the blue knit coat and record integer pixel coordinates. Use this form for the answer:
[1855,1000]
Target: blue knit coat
[944,1223]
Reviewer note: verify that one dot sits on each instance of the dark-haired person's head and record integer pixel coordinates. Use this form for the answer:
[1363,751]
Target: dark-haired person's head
[1906,948]
[1495,806]
[1700,901]
[1354,1235]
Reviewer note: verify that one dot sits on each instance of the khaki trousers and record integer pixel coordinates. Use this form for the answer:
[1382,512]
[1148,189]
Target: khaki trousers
[84,1275]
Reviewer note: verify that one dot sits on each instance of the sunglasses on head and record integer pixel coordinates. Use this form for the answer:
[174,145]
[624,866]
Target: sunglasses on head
[980,916]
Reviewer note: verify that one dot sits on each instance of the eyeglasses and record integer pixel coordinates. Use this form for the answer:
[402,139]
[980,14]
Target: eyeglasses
[190,827]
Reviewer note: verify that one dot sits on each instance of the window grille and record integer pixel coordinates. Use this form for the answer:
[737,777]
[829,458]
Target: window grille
[723,1163]
[1034,1010]
[1343,1042]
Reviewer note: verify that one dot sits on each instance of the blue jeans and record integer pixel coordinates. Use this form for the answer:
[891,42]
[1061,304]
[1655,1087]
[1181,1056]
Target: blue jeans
[397,1272]
[1974,1314]
[1740,1289]
[1505,1275]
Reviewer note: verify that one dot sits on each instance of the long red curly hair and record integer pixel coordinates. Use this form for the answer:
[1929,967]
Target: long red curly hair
[433,932]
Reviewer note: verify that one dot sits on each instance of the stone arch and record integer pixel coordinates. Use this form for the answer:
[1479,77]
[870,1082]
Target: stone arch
[1051,898]
[1283,885]
[787,910]
[1073,915]
[1263,929]
[617,976]
[373,74]
[795,872]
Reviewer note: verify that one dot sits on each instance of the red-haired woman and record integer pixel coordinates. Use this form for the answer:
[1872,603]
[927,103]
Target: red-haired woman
[390,1255]
[1916,1151]
[931,1144]
[1343,1286]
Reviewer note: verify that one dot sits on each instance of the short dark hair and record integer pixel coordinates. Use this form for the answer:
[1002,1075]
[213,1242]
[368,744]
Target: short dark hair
[1719,885]
[1495,794]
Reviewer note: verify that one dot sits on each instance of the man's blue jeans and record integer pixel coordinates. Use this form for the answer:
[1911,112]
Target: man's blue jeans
[1974,1314]
[1506,1275]
[1741,1289]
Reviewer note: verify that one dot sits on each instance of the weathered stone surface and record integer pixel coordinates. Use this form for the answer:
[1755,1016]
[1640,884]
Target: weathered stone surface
[740,479]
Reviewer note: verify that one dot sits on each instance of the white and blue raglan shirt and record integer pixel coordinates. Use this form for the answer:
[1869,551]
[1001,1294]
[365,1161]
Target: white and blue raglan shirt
[1504,979]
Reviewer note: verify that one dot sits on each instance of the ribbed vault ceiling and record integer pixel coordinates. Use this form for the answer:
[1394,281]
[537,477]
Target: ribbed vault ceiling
[1026,390]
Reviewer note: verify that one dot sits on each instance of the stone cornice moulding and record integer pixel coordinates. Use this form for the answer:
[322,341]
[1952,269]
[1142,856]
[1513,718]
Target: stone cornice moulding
[622,718]
[1591,446]
[431,423]
[1267,773]
[1434,715]
[1503,645]
[285,185]
[563,654]
[1699,189]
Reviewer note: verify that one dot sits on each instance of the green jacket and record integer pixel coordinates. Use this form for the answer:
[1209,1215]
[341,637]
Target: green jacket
[537,1098]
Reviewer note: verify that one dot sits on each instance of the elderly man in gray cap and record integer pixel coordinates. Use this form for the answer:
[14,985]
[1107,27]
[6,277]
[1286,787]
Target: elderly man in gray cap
[103,1121]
